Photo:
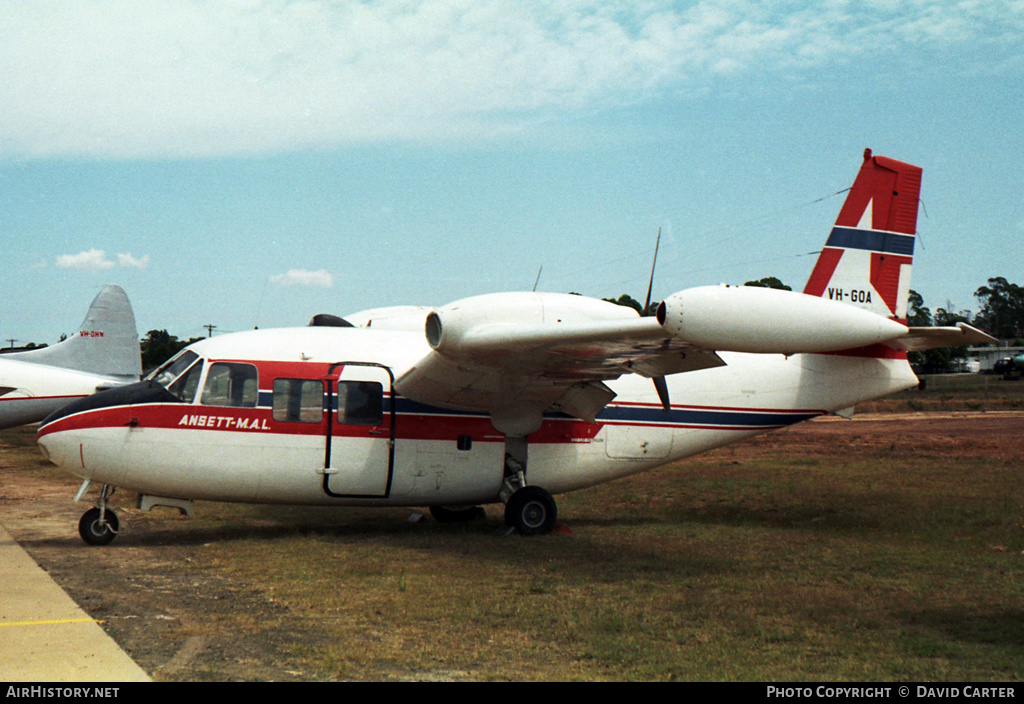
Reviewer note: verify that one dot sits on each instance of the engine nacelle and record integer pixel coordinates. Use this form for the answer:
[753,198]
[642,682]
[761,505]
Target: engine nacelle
[474,327]
[766,320]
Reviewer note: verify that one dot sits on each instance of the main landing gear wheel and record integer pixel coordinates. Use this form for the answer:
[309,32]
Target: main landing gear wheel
[531,511]
[98,527]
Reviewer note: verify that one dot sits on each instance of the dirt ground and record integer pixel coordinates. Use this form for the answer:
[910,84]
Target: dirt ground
[178,623]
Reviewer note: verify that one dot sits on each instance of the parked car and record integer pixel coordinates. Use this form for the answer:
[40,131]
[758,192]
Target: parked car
[1010,367]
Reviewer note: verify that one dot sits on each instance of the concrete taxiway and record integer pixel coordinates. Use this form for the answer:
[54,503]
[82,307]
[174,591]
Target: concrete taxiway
[45,636]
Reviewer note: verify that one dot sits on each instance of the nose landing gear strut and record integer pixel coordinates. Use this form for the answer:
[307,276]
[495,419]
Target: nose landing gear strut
[100,525]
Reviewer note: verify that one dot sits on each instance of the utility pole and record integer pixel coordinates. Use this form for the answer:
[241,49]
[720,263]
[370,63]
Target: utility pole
[210,329]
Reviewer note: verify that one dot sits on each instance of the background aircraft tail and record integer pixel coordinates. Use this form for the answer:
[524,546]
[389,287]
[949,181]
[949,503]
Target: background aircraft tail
[867,259]
[107,342]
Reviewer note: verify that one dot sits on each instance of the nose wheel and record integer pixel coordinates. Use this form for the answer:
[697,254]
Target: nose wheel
[98,527]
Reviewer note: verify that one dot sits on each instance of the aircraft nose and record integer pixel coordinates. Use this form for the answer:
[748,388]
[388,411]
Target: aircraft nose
[61,434]
[58,447]
[127,395]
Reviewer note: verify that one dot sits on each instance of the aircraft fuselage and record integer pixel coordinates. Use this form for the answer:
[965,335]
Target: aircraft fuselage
[315,420]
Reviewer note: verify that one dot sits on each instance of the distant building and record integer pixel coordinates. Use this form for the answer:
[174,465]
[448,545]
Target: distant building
[988,356]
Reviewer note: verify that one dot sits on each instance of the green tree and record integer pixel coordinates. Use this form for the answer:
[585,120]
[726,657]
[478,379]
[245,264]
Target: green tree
[158,346]
[1001,310]
[918,315]
[948,317]
[628,301]
[769,282]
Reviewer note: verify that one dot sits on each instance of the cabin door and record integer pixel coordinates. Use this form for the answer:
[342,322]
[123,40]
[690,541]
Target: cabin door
[360,457]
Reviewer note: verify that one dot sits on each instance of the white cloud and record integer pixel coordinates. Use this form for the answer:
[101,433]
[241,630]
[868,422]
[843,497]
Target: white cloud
[91,260]
[117,78]
[96,260]
[301,277]
[127,260]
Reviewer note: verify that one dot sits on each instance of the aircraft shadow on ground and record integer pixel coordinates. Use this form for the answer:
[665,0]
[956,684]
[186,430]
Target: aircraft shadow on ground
[1001,628]
[483,539]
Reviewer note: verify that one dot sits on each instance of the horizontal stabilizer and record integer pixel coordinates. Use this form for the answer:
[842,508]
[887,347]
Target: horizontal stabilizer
[924,338]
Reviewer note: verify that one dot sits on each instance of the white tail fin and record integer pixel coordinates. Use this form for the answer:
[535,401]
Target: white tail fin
[867,259]
[107,342]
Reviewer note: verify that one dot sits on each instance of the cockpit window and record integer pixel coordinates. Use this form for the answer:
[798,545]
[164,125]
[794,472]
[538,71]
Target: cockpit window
[230,384]
[185,386]
[172,368]
[180,375]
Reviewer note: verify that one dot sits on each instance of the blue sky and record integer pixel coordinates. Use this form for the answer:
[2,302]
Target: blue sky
[254,163]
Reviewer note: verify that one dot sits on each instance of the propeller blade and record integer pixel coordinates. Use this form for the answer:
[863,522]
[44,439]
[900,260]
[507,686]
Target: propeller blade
[662,389]
[650,286]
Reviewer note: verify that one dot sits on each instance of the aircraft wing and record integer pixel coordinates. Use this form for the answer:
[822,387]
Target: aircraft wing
[590,350]
[918,339]
[559,366]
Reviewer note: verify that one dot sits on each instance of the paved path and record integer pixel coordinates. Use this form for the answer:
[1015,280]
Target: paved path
[45,636]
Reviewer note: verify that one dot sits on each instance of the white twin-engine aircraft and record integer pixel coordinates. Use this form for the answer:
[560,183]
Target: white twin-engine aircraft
[104,353]
[508,397]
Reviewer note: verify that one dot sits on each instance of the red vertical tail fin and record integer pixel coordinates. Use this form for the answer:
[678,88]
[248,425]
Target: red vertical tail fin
[867,259]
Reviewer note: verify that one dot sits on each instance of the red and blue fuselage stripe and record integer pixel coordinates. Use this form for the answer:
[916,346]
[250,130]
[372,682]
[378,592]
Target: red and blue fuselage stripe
[421,421]
[625,413]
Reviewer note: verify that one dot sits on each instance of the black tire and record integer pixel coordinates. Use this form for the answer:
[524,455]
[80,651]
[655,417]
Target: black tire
[95,533]
[447,514]
[531,511]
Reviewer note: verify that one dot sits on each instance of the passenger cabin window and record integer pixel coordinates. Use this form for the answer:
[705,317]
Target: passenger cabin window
[230,384]
[298,400]
[360,403]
